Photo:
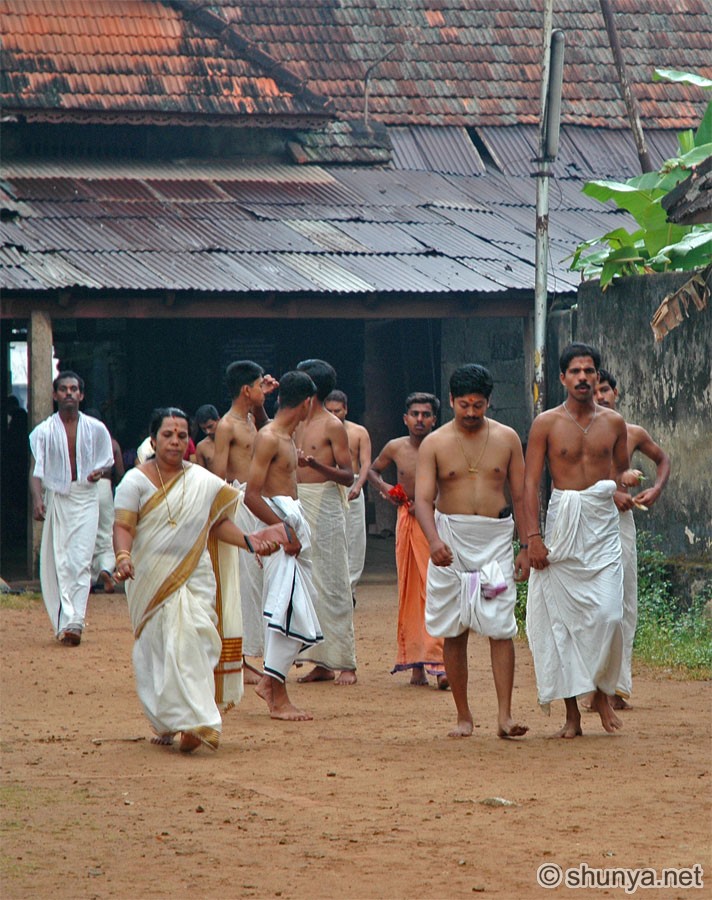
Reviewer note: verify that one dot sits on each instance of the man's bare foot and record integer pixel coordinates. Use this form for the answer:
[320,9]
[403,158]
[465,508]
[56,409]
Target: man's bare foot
[188,742]
[464,728]
[570,730]
[318,673]
[290,713]
[163,740]
[510,729]
[418,676]
[586,701]
[443,683]
[602,706]
[107,581]
[264,690]
[348,676]
[619,703]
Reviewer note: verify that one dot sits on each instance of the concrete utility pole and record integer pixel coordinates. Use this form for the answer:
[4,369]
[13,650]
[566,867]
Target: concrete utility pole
[552,74]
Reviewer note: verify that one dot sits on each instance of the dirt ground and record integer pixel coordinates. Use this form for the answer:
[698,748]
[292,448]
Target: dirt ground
[370,800]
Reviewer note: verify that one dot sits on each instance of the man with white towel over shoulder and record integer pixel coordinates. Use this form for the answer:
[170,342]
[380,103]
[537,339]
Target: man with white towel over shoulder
[71,453]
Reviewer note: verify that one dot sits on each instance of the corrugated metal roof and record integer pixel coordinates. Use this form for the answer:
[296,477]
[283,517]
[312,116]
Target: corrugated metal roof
[347,231]
[447,150]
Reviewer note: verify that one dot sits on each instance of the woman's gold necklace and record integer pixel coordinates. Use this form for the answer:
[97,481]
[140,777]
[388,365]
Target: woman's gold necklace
[172,521]
[473,468]
[588,427]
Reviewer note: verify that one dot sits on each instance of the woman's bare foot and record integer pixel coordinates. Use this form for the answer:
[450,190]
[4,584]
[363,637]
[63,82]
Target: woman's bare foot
[107,581]
[570,730]
[609,719]
[443,683]
[188,742]
[418,676]
[510,729]
[348,676]
[318,673]
[163,740]
[464,728]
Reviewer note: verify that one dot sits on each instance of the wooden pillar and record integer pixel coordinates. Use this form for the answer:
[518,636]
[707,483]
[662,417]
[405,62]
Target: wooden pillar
[39,406]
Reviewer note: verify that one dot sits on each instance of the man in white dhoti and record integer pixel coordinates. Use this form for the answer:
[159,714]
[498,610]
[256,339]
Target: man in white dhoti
[289,593]
[462,471]
[323,475]
[187,662]
[638,440]
[235,435]
[71,451]
[575,598]
[359,440]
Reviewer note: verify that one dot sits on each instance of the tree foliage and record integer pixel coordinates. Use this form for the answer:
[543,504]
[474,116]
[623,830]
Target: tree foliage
[656,245]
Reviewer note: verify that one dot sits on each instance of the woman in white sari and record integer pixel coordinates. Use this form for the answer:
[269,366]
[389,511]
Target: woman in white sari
[166,510]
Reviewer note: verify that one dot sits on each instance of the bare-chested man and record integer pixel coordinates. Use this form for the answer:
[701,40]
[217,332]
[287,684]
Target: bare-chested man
[575,601]
[234,440]
[207,418]
[271,495]
[638,440]
[417,650]
[71,453]
[324,471]
[359,439]
[463,471]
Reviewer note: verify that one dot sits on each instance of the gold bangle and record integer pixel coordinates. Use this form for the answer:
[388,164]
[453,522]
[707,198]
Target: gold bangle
[122,554]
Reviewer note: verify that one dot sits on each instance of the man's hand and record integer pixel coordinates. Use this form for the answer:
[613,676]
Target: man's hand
[95,476]
[647,497]
[269,384]
[632,478]
[623,500]
[39,511]
[354,493]
[538,552]
[521,566]
[440,554]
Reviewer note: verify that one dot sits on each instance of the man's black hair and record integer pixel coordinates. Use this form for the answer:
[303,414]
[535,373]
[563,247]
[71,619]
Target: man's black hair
[321,373]
[574,350]
[471,379]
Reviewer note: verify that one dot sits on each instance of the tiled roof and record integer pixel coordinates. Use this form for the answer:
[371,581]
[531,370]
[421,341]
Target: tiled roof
[231,227]
[450,62]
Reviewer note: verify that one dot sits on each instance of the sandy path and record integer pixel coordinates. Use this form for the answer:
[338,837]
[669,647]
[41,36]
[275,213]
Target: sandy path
[370,800]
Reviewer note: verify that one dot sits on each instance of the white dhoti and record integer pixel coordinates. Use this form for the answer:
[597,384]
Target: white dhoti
[103,560]
[356,537]
[478,543]
[68,539]
[324,508]
[289,595]
[630,600]
[575,604]
[251,585]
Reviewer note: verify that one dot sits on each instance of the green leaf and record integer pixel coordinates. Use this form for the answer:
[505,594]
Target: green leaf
[682,77]
[658,238]
[704,132]
[625,197]
[686,141]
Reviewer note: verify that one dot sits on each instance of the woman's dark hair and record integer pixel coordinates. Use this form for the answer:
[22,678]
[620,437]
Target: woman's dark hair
[165,412]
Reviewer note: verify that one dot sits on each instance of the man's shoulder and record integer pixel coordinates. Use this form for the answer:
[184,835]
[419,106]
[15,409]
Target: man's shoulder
[355,429]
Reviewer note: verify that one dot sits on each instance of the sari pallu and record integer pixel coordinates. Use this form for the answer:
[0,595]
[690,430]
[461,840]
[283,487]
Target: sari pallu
[172,599]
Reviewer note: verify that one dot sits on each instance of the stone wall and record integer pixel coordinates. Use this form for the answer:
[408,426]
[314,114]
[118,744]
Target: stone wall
[667,388]
[499,345]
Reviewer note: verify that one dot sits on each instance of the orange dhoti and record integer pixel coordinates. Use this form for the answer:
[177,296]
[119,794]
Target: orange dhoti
[415,646]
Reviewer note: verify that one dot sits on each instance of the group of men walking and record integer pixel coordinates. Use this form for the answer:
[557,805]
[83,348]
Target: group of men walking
[463,490]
